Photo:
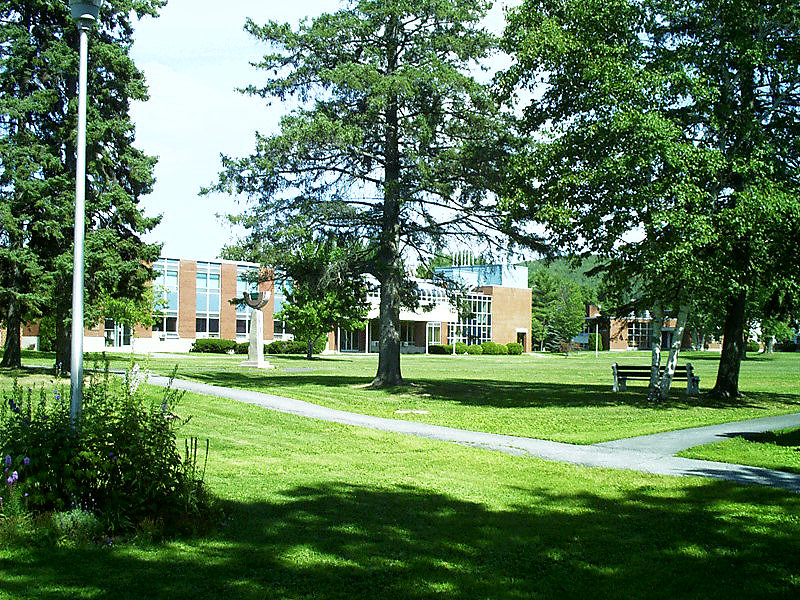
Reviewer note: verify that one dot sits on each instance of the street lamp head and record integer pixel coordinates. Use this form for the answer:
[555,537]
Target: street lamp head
[86,12]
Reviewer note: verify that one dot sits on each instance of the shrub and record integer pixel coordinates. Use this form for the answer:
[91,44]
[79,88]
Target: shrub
[475,349]
[76,526]
[461,348]
[214,346]
[242,348]
[595,341]
[787,346]
[120,462]
[514,348]
[294,347]
[502,349]
[491,348]
[753,346]
[438,349]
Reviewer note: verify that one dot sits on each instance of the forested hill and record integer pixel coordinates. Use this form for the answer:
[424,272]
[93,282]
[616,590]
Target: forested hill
[562,270]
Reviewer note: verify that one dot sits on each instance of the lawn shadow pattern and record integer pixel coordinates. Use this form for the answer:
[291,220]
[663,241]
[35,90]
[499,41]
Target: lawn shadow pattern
[489,392]
[336,540]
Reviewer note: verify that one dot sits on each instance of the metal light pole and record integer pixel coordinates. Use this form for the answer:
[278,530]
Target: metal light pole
[85,15]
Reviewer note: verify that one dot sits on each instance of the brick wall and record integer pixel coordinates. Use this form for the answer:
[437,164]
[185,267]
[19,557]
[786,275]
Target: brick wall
[511,310]
[187,299]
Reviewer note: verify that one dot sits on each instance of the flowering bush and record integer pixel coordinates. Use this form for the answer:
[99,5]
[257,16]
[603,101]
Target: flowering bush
[120,461]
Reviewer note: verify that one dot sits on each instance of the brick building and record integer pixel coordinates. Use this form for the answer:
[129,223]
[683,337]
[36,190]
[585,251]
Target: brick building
[194,299]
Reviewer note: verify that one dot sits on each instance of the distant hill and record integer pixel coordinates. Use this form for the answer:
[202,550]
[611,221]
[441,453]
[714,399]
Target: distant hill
[562,269]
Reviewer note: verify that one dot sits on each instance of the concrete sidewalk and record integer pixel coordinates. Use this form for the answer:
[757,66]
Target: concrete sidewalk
[636,454]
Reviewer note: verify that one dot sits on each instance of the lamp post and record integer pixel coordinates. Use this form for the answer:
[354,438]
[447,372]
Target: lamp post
[85,15]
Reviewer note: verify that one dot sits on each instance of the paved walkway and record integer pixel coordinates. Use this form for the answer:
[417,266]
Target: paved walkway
[648,454]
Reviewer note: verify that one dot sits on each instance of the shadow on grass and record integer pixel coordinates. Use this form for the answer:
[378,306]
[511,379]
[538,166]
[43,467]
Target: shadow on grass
[490,392]
[360,542]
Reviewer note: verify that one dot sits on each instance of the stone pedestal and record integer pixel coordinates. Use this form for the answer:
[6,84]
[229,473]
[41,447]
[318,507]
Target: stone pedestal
[255,351]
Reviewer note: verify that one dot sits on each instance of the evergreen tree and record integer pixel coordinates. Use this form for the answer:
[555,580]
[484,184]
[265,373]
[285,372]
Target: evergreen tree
[393,142]
[38,116]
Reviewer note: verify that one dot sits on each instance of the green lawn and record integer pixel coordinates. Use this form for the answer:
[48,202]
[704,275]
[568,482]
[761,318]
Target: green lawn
[771,450]
[567,400]
[319,510]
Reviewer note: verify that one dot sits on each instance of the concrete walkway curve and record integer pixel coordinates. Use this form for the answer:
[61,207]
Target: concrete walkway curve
[648,454]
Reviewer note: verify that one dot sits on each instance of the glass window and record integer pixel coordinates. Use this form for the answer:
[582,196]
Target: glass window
[166,296]
[476,326]
[639,335]
[207,302]
[434,333]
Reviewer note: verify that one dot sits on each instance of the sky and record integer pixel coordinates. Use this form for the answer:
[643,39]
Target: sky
[194,56]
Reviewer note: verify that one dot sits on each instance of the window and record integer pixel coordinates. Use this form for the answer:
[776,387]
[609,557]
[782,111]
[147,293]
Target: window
[434,332]
[207,296]
[244,283]
[639,335]
[166,297]
[407,337]
[282,330]
[476,328]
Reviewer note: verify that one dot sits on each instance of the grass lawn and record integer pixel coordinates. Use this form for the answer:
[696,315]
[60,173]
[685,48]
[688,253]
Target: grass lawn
[771,450]
[550,397]
[319,510]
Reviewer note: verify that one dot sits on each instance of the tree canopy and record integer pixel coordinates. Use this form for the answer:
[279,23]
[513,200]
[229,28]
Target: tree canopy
[663,138]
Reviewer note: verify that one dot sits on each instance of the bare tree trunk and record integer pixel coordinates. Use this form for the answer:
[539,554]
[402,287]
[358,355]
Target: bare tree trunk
[388,374]
[655,350]
[12,349]
[675,348]
[63,345]
[769,345]
[727,385]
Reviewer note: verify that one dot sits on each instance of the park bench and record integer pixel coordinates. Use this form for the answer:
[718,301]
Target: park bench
[682,373]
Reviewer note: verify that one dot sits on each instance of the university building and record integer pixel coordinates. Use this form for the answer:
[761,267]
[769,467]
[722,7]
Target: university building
[633,332]
[194,299]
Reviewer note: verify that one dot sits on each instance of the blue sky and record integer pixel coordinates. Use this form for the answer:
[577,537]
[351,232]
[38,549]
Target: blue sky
[194,57]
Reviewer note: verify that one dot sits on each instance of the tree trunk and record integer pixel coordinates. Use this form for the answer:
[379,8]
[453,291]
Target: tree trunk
[390,269]
[675,348]
[12,349]
[388,374]
[727,385]
[655,350]
[310,349]
[63,345]
[769,345]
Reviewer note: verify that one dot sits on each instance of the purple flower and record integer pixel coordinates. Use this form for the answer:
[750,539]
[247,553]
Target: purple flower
[26,461]
[57,396]
[8,460]
[10,481]
[15,476]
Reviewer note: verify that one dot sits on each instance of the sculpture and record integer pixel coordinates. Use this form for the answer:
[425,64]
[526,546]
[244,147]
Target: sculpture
[255,351]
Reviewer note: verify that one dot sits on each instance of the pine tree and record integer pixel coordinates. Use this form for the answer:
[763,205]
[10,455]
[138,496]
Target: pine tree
[38,116]
[394,141]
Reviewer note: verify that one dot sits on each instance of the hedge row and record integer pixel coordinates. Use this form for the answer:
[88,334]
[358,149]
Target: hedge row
[217,346]
[490,348]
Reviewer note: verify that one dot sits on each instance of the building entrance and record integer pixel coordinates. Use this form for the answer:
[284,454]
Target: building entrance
[117,334]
